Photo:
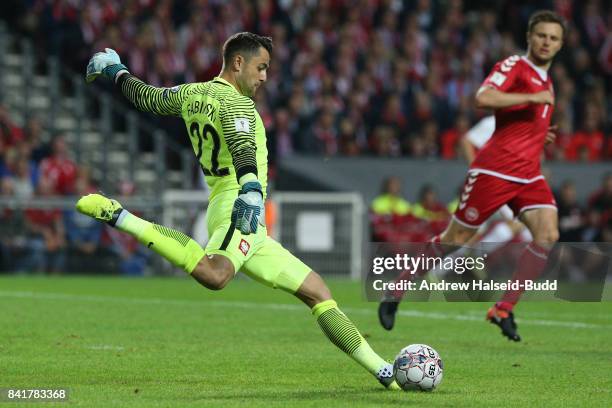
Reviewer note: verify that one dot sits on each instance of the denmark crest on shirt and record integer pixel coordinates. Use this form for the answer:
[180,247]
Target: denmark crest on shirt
[498,78]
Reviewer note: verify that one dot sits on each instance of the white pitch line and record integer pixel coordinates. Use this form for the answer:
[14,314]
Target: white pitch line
[106,347]
[467,317]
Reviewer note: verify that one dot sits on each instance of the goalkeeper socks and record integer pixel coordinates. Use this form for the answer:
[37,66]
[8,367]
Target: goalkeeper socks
[343,333]
[176,247]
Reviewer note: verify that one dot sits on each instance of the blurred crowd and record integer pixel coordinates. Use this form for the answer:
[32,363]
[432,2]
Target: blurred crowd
[49,239]
[395,219]
[364,77]
[386,78]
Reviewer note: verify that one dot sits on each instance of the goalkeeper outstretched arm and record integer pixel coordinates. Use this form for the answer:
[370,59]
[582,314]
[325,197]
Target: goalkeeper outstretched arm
[159,101]
[147,98]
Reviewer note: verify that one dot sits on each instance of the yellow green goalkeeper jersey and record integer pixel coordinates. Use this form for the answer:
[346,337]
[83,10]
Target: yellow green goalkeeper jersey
[225,129]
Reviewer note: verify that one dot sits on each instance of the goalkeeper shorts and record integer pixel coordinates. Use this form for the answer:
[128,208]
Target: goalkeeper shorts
[257,255]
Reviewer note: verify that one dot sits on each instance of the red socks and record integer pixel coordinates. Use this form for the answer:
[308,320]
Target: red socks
[530,266]
[433,248]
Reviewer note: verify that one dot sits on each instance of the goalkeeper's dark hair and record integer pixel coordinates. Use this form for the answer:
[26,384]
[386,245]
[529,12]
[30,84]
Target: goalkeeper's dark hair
[546,16]
[246,44]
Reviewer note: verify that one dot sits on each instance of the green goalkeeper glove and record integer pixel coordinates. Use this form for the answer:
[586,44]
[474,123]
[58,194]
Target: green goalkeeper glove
[105,63]
[249,209]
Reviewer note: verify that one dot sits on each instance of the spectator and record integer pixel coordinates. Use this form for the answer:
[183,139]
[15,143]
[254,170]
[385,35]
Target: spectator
[12,235]
[592,24]
[605,54]
[24,180]
[428,207]
[606,232]
[133,256]
[326,135]
[83,233]
[601,200]
[384,142]
[348,138]
[462,84]
[571,215]
[10,133]
[59,169]
[33,133]
[450,139]
[45,247]
[556,150]
[393,116]
[390,200]
[280,136]
[588,143]
[425,144]
[8,166]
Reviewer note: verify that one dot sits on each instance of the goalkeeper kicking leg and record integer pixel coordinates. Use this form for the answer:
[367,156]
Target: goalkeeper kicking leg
[213,272]
[264,259]
[341,331]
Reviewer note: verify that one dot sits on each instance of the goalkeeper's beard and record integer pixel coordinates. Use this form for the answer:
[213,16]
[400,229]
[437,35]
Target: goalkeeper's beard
[245,89]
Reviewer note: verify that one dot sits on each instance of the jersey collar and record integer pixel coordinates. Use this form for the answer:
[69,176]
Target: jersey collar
[224,82]
[543,74]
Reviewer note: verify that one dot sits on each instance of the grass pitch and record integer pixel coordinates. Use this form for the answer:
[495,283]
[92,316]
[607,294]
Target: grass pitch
[117,342]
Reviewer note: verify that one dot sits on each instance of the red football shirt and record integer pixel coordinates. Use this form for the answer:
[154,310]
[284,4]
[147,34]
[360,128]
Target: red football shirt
[513,152]
[61,172]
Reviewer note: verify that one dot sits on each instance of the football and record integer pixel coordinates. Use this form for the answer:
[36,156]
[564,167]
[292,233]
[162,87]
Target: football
[418,367]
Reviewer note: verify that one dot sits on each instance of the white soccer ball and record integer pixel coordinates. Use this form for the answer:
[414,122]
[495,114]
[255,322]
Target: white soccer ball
[418,367]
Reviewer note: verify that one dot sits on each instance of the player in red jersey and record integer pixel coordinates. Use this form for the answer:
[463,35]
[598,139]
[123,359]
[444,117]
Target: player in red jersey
[507,169]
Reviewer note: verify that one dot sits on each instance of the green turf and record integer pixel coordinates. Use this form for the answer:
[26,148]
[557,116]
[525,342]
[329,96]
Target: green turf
[117,342]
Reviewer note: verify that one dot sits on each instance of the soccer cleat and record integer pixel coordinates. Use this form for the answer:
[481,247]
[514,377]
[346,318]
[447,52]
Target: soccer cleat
[386,378]
[505,321]
[99,207]
[386,313]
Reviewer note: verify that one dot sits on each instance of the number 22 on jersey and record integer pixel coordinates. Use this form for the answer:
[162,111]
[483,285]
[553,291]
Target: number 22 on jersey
[200,134]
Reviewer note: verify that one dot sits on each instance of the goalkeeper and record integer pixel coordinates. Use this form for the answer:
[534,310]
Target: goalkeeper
[229,140]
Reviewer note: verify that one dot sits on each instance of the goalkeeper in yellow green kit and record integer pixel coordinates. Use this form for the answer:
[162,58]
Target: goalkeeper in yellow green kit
[229,140]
